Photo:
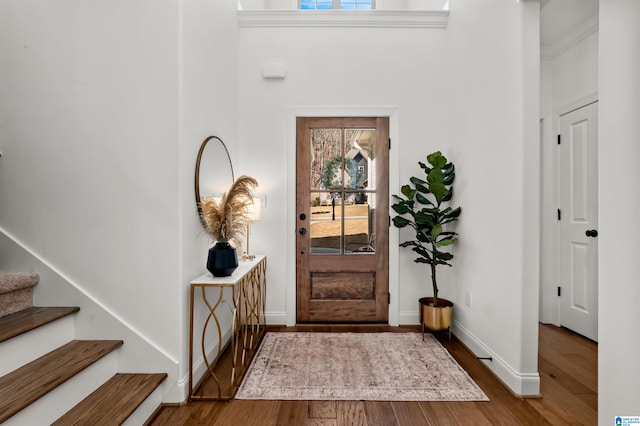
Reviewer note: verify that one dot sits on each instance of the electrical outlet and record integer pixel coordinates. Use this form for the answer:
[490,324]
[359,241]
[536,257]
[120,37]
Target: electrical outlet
[467,298]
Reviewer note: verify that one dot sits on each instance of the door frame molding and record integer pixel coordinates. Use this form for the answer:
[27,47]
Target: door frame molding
[550,266]
[394,158]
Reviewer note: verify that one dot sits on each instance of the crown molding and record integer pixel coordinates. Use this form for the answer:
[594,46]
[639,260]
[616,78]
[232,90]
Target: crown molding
[343,18]
[548,53]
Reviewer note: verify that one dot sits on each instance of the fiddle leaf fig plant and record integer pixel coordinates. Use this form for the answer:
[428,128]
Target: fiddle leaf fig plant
[423,206]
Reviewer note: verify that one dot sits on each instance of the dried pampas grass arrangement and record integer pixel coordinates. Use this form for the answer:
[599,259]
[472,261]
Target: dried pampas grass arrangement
[225,219]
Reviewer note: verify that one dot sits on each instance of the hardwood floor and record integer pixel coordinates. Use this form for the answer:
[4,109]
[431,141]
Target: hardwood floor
[568,373]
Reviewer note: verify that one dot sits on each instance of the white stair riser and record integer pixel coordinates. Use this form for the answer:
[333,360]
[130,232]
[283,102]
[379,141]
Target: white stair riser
[146,409]
[33,344]
[52,406]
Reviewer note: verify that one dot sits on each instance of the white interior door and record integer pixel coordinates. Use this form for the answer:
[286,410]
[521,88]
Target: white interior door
[579,221]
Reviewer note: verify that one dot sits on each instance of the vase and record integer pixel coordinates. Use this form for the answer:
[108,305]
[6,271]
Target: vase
[435,318]
[222,259]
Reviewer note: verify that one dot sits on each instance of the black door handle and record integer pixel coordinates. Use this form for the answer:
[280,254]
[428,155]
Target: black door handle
[591,233]
[302,231]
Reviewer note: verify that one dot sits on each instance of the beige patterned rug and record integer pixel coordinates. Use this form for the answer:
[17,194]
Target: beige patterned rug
[356,366]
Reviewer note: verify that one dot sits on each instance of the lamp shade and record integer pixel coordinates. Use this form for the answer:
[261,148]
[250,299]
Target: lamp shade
[253,210]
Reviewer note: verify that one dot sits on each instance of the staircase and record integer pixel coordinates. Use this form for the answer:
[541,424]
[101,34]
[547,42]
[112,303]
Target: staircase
[48,377]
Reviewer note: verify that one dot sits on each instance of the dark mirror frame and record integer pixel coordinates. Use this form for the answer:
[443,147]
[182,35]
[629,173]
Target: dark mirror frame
[198,165]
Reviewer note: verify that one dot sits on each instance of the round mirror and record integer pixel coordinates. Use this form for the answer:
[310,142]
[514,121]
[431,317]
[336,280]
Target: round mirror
[214,170]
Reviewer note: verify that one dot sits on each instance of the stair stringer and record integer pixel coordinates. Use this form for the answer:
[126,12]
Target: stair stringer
[94,320]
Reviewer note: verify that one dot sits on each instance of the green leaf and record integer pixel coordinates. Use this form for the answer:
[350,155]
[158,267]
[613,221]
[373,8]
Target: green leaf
[402,208]
[416,181]
[423,219]
[408,192]
[408,244]
[445,221]
[423,237]
[431,211]
[423,189]
[448,233]
[452,216]
[445,242]
[422,252]
[435,232]
[449,195]
[439,255]
[448,169]
[435,176]
[400,222]
[424,257]
[423,200]
[437,160]
[426,168]
[439,191]
[453,213]
[449,178]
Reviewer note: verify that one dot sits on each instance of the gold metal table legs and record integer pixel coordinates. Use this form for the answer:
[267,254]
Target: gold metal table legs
[247,288]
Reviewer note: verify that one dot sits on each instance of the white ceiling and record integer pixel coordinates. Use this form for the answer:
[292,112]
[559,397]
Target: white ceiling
[560,19]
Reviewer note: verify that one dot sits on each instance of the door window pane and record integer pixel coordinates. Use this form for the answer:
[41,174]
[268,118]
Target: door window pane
[359,228]
[326,160]
[342,194]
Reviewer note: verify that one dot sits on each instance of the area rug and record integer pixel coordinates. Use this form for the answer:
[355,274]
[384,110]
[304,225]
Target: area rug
[356,366]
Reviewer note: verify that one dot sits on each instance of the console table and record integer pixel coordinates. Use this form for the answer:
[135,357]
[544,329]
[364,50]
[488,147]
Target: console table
[247,286]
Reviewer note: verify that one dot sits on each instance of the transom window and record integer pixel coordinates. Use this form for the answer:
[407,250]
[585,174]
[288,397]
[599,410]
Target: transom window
[337,4]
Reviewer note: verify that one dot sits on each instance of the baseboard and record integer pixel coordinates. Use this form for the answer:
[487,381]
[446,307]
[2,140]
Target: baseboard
[521,384]
[275,318]
[408,317]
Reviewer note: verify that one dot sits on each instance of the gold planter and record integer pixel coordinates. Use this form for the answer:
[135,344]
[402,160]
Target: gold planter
[435,318]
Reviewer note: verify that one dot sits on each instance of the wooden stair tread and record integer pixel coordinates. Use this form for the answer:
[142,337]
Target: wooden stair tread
[15,324]
[28,383]
[113,402]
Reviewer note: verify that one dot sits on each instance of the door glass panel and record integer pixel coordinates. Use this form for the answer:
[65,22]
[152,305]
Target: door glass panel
[326,224]
[360,227]
[342,198]
[326,156]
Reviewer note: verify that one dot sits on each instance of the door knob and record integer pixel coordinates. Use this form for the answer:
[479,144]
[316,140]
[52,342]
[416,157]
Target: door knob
[302,231]
[591,233]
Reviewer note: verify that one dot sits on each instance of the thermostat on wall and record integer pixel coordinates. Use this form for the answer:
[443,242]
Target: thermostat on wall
[274,71]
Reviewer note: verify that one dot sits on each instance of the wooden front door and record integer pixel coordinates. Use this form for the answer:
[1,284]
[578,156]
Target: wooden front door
[342,217]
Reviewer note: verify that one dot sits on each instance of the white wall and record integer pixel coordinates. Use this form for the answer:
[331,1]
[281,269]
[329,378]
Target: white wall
[208,107]
[575,72]
[619,316]
[89,130]
[462,90]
